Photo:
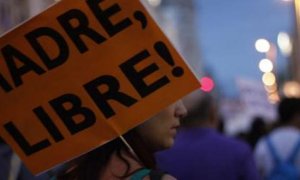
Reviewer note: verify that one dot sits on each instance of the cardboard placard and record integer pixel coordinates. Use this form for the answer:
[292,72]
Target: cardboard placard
[80,74]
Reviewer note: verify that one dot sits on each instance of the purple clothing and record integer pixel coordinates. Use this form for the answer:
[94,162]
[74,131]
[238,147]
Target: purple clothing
[203,153]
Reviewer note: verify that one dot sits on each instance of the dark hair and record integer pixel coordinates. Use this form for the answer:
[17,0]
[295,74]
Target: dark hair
[257,130]
[200,111]
[90,165]
[2,141]
[288,108]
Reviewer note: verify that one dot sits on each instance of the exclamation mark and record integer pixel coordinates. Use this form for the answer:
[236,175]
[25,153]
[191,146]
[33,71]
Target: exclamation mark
[164,52]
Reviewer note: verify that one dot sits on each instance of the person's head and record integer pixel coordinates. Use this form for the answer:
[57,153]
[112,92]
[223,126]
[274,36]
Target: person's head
[289,110]
[258,125]
[202,110]
[1,141]
[159,131]
[257,130]
[156,133]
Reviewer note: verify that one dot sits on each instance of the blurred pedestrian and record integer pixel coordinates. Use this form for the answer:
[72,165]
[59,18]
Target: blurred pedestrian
[201,152]
[282,145]
[116,160]
[258,129]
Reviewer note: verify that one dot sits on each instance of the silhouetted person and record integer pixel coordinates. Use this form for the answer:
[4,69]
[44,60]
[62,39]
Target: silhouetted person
[257,130]
[201,152]
[283,139]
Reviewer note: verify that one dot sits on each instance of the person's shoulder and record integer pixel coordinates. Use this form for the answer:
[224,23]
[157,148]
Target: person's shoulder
[235,145]
[233,141]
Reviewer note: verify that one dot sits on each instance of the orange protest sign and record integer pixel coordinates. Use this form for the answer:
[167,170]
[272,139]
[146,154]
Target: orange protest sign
[82,73]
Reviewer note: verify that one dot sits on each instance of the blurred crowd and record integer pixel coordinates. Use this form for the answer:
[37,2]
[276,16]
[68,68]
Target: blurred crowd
[266,151]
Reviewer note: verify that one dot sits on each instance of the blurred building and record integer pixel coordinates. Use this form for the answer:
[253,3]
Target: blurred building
[14,12]
[295,61]
[36,6]
[292,86]
[177,18]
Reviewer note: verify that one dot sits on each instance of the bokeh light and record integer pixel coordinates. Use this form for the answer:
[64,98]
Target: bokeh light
[269,79]
[285,44]
[265,65]
[291,89]
[262,45]
[207,84]
[272,88]
[273,98]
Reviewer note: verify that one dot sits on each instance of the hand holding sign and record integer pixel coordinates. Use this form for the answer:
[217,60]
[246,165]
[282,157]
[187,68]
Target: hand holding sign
[81,75]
